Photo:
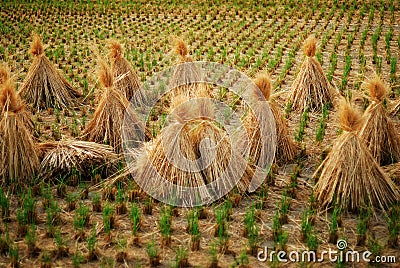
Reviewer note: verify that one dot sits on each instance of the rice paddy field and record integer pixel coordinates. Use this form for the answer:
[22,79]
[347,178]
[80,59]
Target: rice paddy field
[67,199]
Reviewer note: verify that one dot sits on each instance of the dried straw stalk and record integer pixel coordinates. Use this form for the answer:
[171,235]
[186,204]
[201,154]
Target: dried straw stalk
[350,172]
[19,161]
[107,124]
[61,158]
[125,78]
[378,130]
[44,86]
[311,88]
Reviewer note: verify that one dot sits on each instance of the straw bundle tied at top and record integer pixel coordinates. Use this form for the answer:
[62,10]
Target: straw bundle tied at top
[19,161]
[351,173]
[44,86]
[378,130]
[311,89]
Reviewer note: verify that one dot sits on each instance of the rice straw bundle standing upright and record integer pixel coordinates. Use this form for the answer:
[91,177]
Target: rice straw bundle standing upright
[125,78]
[350,172]
[18,159]
[44,86]
[311,88]
[186,73]
[286,148]
[170,158]
[113,108]
[378,130]
[24,115]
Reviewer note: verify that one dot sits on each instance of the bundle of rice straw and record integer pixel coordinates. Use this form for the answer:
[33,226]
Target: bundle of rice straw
[113,108]
[61,157]
[125,78]
[24,115]
[186,74]
[19,161]
[311,88]
[286,148]
[351,173]
[378,130]
[44,86]
[4,73]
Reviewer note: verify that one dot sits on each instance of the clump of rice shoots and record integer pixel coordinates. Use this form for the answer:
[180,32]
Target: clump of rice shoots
[286,148]
[44,86]
[311,87]
[62,157]
[186,74]
[350,172]
[113,108]
[19,161]
[378,131]
[125,78]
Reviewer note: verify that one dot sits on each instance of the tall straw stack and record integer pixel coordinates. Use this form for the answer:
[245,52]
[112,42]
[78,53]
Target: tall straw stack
[350,173]
[378,130]
[19,161]
[125,78]
[286,148]
[311,88]
[44,86]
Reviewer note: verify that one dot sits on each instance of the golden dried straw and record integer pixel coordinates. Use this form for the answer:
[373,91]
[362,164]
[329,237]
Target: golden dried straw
[60,158]
[19,161]
[44,86]
[125,78]
[311,88]
[350,173]
[185,75]
[286,147]
[378,131]
[107,123]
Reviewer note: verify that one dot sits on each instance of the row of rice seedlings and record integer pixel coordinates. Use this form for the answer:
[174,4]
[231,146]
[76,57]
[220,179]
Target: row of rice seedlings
[320,134]
[303,124]
[362,225]
[345,76]
[335,223]
[193,229]
[250,230]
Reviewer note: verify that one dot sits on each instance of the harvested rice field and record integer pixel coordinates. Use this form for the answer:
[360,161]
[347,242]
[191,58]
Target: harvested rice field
[101,165]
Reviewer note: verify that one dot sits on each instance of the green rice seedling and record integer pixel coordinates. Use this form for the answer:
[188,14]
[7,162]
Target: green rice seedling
[303,123]
[91,243]
[362,225]
[45,260]
[193,229]
[81,219]
[276,226]
[165,223]
[282,241]
[108,218]
[322,124]
[214,256]
[152,253]
[5,205]
[77,259]
[29,207]
[333,226]
[121,255]
[312,240]
[52,217]
[181,258]
[305,225]
[249,221]
[148,206]
[288,109]
[71,199]
[375,248]
[284,208]
[62,248]
[135,221]
[393,226]
[120,208]
[221,226]
[31,239]
[96,203]
[13,252]
[393,67]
